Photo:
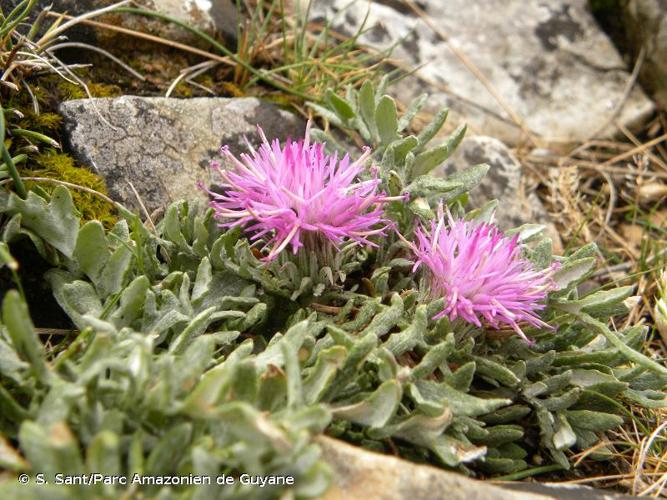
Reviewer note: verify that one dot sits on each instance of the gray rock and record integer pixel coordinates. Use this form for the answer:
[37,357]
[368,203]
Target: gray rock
[549,61]
[566,491]
[645,24]
[206,15]
[361,474]
[164,146]
[504,181]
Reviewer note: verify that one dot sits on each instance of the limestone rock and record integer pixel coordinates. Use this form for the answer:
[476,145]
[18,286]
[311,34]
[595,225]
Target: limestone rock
[361,474]
[207,15]
[645,24]
[210,16]
[549,61]
[164,146]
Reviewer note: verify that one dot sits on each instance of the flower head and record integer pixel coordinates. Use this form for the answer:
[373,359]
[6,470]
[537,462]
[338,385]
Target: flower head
[480,273]
[285,194]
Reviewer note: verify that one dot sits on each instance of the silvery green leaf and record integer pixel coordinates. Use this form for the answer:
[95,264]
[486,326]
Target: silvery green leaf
[386,319]
[436,356]
[375,410]
[311,418]
[328,362]
[56,221]
[418,429]
[255,315]
[16,318]
[421,208]
[103,454]
[461,403]
[92,249]
[506,415]
[429,159]
[386,119]
[462,377]
[572,272]
[11,366]
[430,131]
[454,452]
[588,250]
[427,185]
[593,420]
[162,459]
[426,406]
[414,107]
[602,301]
[131,303]
[498,435]
[495,371]
[656,401]
[397,151]
[541,253]
[113,276]
[395,183]
[527,232]
[202,280]
[405,340]
[367,107]
[292,370]
[197,326]
[468,178]
[245,423]
[563,401]
[332,117]
[34,442]
[587,378]
[342,108]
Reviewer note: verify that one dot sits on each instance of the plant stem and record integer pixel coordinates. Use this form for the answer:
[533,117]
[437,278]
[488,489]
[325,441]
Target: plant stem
[7,159]
[528,473]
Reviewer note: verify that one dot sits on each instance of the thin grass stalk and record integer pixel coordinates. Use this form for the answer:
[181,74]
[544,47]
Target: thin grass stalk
[221,48]
[9,162]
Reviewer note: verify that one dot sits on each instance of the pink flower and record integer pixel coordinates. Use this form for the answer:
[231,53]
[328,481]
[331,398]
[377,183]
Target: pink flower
[296,195]
[481,274]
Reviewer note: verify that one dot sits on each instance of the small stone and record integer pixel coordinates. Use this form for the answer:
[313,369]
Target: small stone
[504,181]
[164,146]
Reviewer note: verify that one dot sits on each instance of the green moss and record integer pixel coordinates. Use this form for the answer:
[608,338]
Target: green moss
[55,165]
[43,122]
[71,91]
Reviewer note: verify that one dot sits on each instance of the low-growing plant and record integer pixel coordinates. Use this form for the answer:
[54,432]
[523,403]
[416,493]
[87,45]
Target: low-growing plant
[225,339]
